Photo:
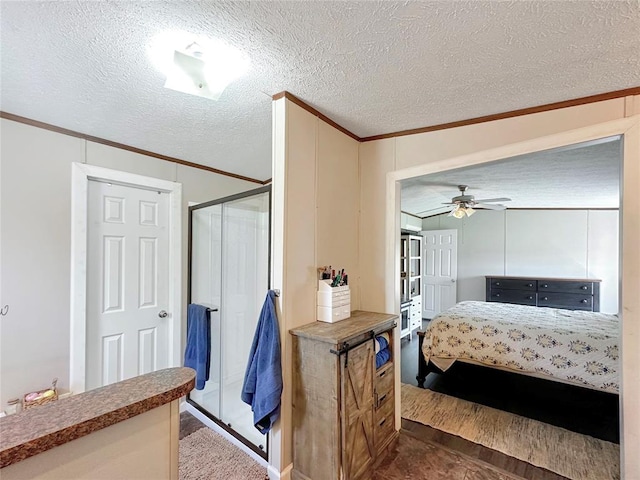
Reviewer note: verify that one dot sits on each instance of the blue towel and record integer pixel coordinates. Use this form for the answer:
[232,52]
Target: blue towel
[382,343]
[197,354]
[263,379]
[382,357]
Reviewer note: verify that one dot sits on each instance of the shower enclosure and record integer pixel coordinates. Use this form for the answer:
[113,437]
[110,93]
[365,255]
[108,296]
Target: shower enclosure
[229,273]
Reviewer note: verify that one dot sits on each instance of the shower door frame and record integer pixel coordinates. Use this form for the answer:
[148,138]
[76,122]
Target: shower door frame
[257,191]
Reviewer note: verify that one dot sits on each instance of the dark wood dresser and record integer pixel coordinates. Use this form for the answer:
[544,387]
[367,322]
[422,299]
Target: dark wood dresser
[569,293]
[343,406]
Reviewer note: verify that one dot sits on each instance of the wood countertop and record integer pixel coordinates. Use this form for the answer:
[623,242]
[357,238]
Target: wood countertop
[41,428]
[339,332]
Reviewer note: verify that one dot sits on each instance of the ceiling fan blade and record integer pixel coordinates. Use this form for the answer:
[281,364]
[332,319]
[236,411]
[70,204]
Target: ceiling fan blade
[433,212]
[490,206]
[485,200]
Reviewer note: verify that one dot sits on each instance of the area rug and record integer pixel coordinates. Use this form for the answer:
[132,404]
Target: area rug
[572,455]
[205,455]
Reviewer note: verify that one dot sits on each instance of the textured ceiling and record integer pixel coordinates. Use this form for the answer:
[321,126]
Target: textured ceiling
[578,176]
[373,67]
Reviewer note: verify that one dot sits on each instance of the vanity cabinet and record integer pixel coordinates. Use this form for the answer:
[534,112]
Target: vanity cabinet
[343,406]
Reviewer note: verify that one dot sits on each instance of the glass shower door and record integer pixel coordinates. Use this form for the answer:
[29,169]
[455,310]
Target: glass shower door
[230,272]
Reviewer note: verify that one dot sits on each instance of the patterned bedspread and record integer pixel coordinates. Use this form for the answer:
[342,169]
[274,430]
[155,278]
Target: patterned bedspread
[571,346]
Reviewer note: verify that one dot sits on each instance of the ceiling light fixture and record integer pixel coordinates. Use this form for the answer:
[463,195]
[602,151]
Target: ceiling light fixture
[461,210]
[197,65]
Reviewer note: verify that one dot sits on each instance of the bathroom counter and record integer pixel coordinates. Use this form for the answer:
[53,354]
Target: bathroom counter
[38,429]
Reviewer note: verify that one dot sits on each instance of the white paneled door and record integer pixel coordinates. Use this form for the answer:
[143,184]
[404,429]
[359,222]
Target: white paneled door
[127,324]
[440,257]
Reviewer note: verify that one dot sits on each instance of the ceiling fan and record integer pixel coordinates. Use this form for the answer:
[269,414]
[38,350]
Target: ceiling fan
[465,204]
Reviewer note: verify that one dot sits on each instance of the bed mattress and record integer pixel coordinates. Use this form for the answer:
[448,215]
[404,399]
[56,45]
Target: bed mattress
[576,347]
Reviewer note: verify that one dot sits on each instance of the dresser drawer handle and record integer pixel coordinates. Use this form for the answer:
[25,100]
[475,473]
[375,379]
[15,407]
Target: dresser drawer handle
[529,284]
[497,284]
[529,297]
[544,285]
[584,287]
[382,422]
[383,374]
[496,295]
[584,300]
[381,399]
[545,298]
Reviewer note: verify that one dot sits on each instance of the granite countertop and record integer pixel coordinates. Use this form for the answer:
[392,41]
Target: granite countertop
[38,429]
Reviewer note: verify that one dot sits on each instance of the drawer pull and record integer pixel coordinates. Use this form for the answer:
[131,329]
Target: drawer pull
[545,298]
[383,374]
[584,300]
[529,297]
[497,295]
[382,422]
[584,287]
[529,285]
[381,399]
[497,284]
[544,285]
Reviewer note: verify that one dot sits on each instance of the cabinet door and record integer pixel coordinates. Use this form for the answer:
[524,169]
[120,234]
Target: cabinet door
[358,452]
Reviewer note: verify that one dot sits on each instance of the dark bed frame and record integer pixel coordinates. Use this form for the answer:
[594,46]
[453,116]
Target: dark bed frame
[424,368]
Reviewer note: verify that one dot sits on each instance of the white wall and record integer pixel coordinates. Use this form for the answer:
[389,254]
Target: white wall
[545,243]
[35,232]
[409,222]
[315,222]
[387,161]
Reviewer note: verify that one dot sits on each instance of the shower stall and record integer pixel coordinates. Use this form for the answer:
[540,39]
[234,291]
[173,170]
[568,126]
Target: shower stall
[229,246]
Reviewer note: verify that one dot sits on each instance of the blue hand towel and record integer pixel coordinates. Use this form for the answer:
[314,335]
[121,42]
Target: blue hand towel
[262,386]
[382,357]
[197,354]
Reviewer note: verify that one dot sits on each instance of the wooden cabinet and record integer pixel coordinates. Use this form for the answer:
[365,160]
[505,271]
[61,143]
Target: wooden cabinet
[411,279]
[567,293]
[343,406]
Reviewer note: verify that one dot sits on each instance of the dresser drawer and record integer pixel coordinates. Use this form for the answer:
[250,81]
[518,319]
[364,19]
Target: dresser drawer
[514,284]
[572,301]
[384,384]
[565,287]
[383,426]
[513,296]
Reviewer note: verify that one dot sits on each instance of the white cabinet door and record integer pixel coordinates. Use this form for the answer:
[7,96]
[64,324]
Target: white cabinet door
[127,283]
[440,257]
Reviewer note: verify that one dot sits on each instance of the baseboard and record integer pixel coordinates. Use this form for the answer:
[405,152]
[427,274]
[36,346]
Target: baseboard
[285,474]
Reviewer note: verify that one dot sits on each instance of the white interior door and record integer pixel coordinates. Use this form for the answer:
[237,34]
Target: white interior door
[440,256]
[127,282]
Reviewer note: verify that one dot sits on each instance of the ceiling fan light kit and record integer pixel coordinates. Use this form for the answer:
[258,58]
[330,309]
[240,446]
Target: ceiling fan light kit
[466,205]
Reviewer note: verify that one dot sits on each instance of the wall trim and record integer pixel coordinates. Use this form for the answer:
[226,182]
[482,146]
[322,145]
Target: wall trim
[525,208]
[122,146]
[313,111]
[600,97]
[80,175]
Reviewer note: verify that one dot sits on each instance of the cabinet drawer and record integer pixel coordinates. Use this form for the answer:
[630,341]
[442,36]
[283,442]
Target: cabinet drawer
[565,287]
[514,284]
[571,301]
[513,296]
[384,386]
[383,427]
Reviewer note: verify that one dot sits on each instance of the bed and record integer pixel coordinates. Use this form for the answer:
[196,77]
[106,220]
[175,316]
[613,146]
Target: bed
[575,347]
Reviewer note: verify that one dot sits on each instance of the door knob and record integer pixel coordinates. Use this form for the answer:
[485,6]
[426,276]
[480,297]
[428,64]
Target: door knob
[163,314]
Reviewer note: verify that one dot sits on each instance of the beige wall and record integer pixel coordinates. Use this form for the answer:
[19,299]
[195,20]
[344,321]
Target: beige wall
[315,222]
[384,162]
[35,233]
